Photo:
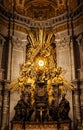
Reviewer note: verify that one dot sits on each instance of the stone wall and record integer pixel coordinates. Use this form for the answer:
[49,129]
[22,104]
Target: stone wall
[71,60]
[18,58]
[65,59]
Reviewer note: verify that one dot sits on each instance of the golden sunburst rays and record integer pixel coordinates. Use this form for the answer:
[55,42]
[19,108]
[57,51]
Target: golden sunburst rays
[31,38]
[40,43]
[40,36]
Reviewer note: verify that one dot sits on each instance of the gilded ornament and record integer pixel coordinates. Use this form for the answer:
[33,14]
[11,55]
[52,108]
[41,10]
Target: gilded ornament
[40,66]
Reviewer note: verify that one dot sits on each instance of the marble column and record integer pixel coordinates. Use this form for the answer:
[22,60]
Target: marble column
[5,108]
[1,97]
[81,100]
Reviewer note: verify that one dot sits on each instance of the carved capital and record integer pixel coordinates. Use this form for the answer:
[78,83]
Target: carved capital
[62,42]
[19,43]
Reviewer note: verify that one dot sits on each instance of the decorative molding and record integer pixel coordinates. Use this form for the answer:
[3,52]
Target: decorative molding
[80,39]
[28,22]
[2,40]
[19,43]
[24,28]
[36,9]
[62,42]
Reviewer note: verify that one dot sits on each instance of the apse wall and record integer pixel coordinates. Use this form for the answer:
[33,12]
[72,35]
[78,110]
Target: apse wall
[65,59]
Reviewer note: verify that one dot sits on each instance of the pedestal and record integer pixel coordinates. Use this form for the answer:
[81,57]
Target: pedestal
[65,125]
[34,126]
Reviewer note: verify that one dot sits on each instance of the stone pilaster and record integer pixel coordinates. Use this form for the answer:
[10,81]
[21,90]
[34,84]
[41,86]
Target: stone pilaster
[80,44]
[76,104]
[2,40]
[9,61]
[80,72]
[65,55]
[18,55]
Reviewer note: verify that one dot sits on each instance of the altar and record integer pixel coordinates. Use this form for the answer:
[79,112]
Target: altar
[43,104]
[41,126]
[41,115]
